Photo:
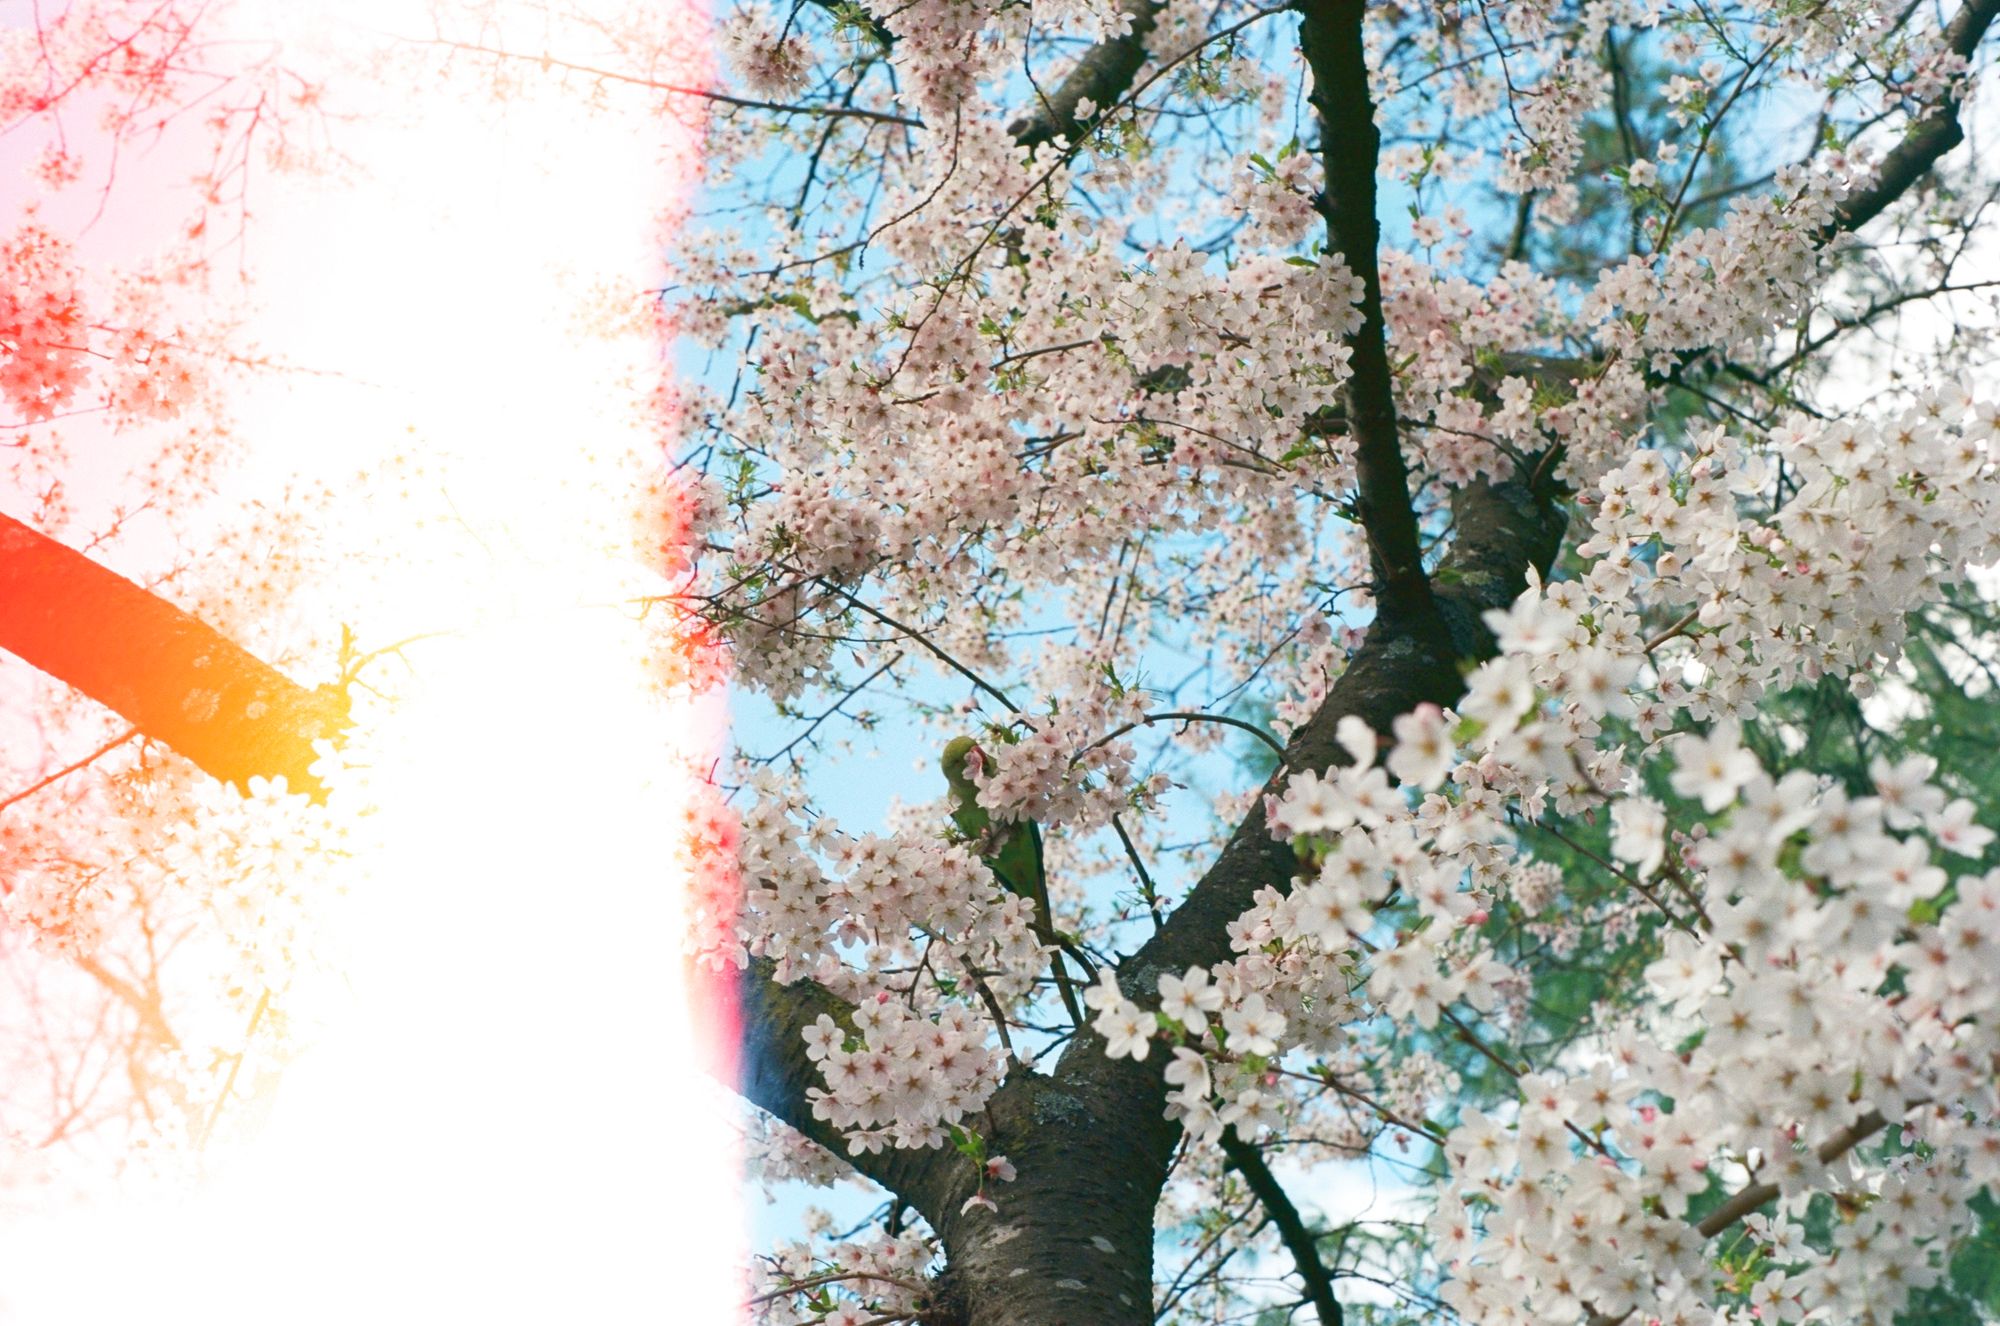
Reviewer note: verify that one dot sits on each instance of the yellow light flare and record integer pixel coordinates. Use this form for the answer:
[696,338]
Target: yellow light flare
[507,1121]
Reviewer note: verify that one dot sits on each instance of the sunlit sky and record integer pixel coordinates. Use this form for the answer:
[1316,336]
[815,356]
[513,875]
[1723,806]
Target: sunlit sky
[505,1120]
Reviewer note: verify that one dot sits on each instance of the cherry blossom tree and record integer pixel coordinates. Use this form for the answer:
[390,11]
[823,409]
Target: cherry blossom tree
[1552,442]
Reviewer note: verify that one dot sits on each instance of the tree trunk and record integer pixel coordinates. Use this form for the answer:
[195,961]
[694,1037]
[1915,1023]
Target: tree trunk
[1072,1241]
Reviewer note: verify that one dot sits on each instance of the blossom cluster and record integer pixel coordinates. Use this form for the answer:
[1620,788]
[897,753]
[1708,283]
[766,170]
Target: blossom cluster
[1802,591]
[909,1077]
[838,910]
[1299,952]
[769,64]
[877,892]
[1803,1009]
[897,452]
[1058,771]
[839,1284]
[1218,1072]
[1809,911]
[42,324]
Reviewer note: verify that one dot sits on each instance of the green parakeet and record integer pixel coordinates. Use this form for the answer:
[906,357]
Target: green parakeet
[1012,851]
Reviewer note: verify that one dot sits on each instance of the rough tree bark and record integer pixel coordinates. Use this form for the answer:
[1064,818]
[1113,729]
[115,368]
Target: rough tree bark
[1102,76]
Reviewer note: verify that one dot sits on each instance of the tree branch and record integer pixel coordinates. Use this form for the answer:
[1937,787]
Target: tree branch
[175,679]
[1330,39]
[1748,1199]
[1925,141]
[1755,1195]
[1104,75]
[1501,531]
[49,780]
[147,1006]
[774,1074]
[884,39]
[1094,1103]
[1299,1241]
